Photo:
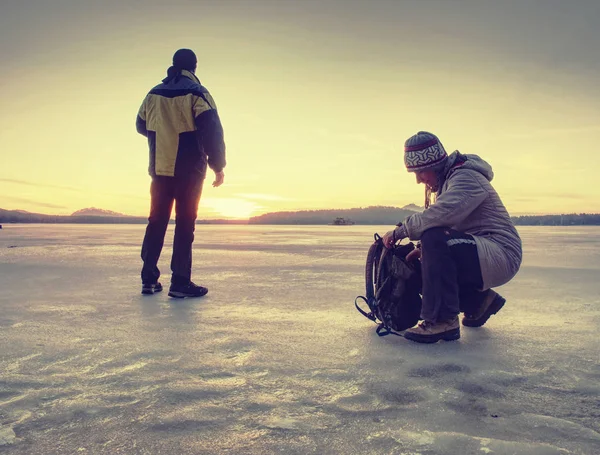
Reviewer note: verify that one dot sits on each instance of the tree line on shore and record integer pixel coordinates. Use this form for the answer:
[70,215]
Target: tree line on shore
[570,219]
[376,215]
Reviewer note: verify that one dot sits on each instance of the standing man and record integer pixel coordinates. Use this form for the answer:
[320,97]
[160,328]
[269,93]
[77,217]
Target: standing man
[180,120]
[468,241]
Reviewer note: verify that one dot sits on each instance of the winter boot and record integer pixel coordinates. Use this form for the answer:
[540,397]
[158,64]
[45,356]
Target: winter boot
[492,303]
[179,291]
[151,288]
[432,332]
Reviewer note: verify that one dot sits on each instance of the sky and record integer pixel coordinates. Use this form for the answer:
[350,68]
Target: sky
[316,99]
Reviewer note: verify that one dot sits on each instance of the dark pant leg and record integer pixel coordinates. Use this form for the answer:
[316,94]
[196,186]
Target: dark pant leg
[162,194]
[187,197]
[451,271]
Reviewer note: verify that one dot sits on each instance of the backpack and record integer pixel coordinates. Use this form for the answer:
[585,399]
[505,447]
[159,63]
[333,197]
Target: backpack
[393,288]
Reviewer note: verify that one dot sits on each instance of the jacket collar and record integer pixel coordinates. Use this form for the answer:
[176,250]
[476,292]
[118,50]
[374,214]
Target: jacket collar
[174,74]
[190,75]
[455,160]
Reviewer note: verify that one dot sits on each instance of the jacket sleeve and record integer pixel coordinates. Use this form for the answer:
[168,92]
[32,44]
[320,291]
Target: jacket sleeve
[140,122]
[210,131]
[462,196]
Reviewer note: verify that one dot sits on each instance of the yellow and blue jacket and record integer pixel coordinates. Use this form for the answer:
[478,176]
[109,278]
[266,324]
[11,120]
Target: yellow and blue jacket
[179,117]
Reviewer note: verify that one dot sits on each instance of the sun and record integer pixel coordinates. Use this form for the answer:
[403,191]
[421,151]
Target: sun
[231,207]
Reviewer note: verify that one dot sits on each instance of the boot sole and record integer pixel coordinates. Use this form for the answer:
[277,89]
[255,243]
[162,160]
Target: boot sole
[494,307]
[182,295]
[450,335]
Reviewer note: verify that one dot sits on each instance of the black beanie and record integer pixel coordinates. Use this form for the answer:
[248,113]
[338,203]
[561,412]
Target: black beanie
[185,59]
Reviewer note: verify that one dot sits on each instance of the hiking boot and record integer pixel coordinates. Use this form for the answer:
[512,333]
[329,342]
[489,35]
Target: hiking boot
[179,291]
[492,303]
[432,332]
[151,288]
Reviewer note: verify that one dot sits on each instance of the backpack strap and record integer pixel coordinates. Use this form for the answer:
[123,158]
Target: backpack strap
[383,330]
[372,269]
[369,315]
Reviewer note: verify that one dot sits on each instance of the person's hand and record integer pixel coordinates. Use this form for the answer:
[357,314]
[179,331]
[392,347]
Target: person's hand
[413,255]
[219,179]
[389,239]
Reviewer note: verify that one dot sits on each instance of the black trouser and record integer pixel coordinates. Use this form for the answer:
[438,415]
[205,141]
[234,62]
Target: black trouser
[451,271]
[186,195]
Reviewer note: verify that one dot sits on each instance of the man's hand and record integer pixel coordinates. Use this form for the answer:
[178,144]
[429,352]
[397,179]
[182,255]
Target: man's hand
[219,179]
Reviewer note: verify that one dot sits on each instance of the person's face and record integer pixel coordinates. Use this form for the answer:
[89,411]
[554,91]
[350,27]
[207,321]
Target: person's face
[428,177]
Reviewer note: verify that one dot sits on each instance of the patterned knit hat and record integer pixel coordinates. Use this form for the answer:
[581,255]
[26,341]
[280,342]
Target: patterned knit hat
[423,151]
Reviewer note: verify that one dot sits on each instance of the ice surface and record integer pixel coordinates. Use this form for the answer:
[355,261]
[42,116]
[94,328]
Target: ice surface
[275,359]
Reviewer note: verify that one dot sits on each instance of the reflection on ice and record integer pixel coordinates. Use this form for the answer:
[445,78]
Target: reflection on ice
[275,359]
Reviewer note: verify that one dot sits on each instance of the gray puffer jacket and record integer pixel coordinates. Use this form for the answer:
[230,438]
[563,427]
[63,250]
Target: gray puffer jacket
[468,203]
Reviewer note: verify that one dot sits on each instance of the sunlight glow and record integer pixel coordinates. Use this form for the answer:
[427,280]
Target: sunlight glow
[231,207]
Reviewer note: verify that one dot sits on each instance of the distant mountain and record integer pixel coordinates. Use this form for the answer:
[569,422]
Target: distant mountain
[413,207]
[21,216]
[93,211]
[88,216]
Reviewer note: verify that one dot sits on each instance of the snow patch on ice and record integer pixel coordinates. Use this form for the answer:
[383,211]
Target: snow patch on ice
[7,436]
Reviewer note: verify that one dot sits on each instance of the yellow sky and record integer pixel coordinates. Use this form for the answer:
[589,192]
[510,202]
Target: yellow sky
[316,102]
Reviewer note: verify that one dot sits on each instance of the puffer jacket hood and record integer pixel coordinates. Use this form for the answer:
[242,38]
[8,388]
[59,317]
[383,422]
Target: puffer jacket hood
[457,160]
[468,161]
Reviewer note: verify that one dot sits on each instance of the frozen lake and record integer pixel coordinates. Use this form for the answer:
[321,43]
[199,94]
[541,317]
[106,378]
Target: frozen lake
[275,359]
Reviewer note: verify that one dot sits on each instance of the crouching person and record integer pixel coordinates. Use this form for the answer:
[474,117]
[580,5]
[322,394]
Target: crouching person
[468,242]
